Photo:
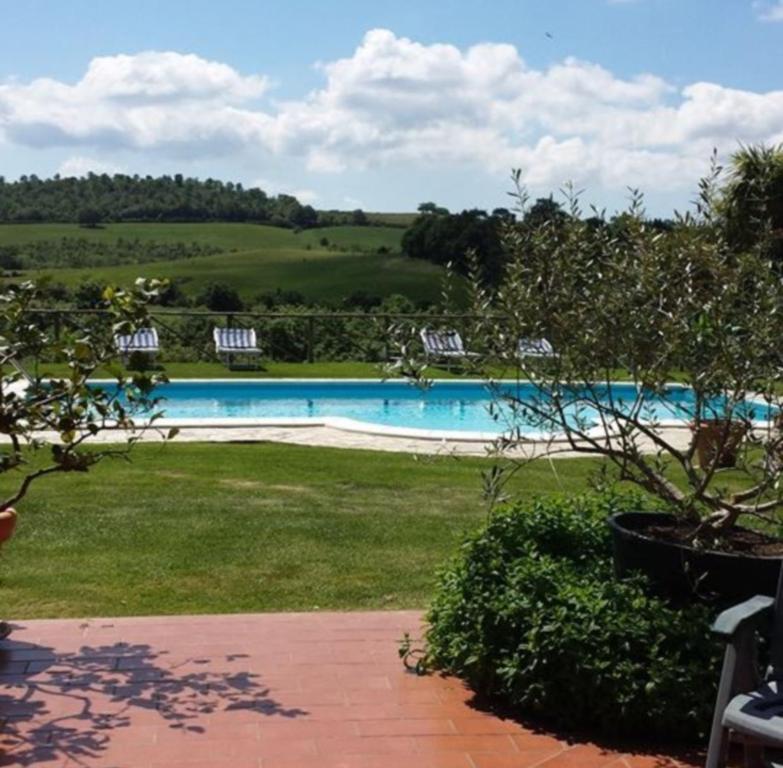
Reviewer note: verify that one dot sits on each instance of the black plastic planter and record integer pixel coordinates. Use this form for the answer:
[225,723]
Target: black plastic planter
[681,572]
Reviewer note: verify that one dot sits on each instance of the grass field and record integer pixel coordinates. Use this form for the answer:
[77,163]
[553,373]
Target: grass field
[257,259]
[317,370]
[271,370]
[392,219]
[189,528]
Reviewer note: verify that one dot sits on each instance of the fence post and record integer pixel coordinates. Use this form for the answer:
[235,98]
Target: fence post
[310,339]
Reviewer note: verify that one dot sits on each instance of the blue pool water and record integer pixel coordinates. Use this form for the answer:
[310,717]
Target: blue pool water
[460,406]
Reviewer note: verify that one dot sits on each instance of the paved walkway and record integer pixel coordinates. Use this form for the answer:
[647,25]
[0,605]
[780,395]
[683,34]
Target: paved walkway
[310,690]
[330,437]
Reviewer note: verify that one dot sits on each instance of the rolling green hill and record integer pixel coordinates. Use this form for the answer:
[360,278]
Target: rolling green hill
[323,264]
[392,219]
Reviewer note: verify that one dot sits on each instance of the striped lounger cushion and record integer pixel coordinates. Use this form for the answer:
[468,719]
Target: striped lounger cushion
[445,342]
[236,339]
[143,340]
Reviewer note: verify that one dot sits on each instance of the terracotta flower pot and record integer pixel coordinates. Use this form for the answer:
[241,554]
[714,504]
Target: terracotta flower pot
[708,435]
[7,524]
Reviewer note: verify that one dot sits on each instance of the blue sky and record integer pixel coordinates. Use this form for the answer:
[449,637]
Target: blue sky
[383,105]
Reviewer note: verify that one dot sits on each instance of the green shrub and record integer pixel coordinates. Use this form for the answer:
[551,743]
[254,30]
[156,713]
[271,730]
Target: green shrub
[530,613]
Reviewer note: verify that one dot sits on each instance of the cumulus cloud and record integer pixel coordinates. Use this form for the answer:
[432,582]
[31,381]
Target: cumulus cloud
[146,101]
[395,101]
[81,166]
[303,195]
[770,11]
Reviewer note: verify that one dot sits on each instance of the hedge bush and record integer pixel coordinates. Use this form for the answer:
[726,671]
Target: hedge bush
[531,614]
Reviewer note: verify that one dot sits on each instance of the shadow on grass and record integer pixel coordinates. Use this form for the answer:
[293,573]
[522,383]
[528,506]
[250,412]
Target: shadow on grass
[56,706]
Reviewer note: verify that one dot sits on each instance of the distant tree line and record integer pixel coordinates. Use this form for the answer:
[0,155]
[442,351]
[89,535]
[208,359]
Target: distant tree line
[99,198]
[442,237]
[219,297]
[81,252]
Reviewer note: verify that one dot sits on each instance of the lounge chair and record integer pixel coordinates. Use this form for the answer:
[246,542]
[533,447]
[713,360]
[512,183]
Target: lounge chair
[535,348]
[143,341]
[749,706]
[235,341]
[444,345]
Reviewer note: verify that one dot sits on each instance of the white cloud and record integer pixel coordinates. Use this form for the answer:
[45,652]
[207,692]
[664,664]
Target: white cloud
[148,101]
[152,75]
[81,166]
[398,101]
[306,196]
[394,103]
[303,195]
[769,11]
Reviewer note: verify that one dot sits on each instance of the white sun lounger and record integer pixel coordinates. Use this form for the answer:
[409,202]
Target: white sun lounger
[235,341]
[535,348]
[446,345]
[144,341]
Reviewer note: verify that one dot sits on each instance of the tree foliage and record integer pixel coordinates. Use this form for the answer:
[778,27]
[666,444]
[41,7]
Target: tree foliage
[47,424]
[80,252]
[220,297]
[89,217]
[104,198]
[752,200]
[690,305]
[444,238]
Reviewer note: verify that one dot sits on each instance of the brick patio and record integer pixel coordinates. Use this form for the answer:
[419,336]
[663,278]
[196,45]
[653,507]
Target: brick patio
[314,690]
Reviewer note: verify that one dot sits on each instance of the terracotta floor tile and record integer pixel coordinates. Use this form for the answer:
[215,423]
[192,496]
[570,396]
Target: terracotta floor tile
[306,728]
[227,762]
[528,759]
[486,725]
[452,760]
[365,745]
[661,761]
[402,698]
[582,756]
[497,744]
[532,740]
[295,690]
[400,727]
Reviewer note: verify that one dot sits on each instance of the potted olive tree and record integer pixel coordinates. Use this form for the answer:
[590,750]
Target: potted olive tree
[46,424]
[657,333]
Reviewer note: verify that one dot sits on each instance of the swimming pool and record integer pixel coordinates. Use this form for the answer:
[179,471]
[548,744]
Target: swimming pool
[462,409]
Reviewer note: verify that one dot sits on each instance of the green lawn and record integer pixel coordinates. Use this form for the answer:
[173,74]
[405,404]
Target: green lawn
[256,259]
[190,528]
[271,370]
[317,370]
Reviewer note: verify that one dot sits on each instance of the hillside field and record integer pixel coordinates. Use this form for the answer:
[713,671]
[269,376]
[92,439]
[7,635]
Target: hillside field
[254,259]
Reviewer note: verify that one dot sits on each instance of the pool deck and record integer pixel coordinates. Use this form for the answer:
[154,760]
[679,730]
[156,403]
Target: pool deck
[331,437]
[296,690]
